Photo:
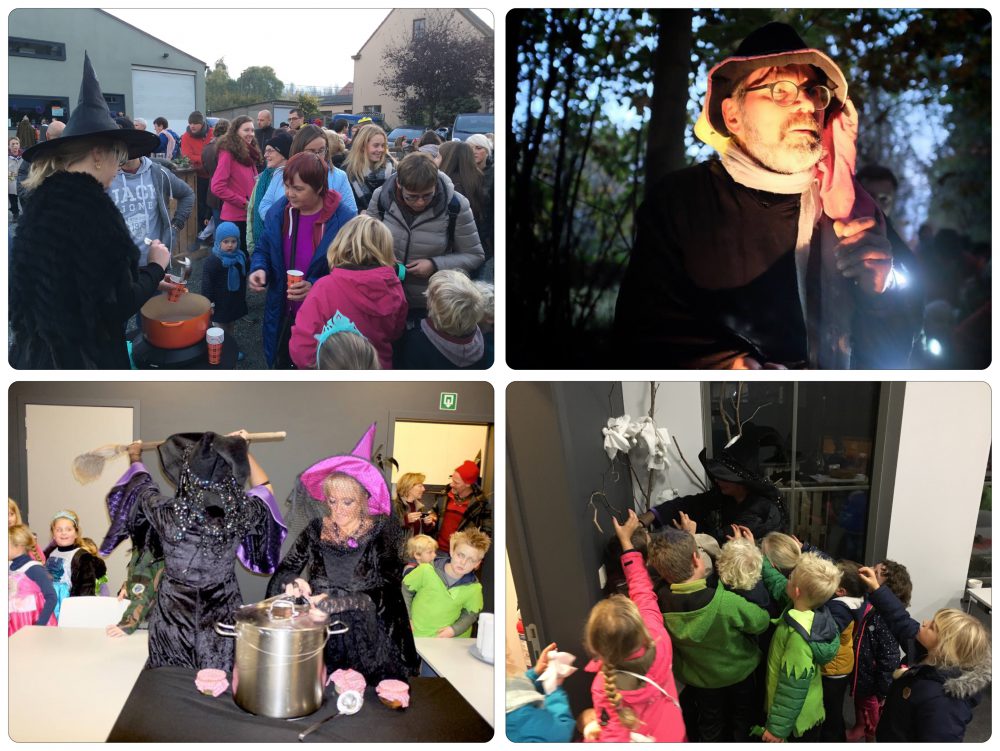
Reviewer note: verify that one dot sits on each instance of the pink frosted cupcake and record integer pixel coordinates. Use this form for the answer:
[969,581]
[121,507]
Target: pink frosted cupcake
[348,680]
[211,682]
[394,694]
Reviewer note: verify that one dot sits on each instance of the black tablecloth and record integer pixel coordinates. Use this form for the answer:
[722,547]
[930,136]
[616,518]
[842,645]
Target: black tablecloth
[165,706]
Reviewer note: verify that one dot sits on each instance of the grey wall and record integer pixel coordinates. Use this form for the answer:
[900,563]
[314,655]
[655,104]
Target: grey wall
[555,461]
[114,47]
[321,419]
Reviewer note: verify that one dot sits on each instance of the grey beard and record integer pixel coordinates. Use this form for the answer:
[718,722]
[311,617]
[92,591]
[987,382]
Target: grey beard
[781,158]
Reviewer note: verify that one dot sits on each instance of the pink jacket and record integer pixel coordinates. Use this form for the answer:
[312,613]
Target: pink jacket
[659,715]
[233,183]
[372,298]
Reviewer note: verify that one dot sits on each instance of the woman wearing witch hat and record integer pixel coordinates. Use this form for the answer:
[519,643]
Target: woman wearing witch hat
[349,551]
[74,274]
[741,495]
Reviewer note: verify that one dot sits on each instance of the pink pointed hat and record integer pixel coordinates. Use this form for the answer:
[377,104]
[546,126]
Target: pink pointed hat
[358,465]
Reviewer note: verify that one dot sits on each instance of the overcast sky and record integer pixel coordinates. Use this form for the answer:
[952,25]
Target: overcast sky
[307,47]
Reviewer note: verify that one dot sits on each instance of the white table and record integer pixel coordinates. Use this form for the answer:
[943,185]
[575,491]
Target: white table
[69,684]
[471,677]
[983,595]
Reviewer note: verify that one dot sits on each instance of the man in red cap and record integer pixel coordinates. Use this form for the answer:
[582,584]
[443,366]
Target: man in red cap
[466,506]
[771,255]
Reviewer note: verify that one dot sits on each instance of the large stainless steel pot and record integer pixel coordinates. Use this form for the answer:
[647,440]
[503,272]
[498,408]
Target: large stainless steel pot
[279,670]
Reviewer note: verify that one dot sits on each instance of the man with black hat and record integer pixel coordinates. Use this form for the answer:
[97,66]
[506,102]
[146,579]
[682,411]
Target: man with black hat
[741,495]
[772,255]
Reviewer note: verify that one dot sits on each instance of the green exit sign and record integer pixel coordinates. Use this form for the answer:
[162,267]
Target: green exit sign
[449,402]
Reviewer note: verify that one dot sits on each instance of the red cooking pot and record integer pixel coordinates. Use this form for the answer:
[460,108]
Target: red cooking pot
[176,325]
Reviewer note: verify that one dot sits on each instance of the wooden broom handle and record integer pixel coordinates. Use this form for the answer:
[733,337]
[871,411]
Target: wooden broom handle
[278,435]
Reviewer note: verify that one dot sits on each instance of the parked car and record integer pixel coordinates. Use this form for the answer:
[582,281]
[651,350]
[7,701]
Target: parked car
[412,132]
[472,122]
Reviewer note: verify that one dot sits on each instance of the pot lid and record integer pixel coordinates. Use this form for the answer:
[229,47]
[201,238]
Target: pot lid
[280,613]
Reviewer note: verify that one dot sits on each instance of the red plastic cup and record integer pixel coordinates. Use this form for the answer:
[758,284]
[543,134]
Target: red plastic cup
[294,277]
[178,287]
[214,337]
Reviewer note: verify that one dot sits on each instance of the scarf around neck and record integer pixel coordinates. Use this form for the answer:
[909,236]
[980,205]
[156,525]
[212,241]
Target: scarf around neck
[825,296]
[235,262]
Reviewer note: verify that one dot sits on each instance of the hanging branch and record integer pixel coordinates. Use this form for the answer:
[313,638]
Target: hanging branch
[724,414]
[652,410]
[694,475]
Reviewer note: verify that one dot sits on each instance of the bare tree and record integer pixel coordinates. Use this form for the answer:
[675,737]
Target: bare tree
[439,72]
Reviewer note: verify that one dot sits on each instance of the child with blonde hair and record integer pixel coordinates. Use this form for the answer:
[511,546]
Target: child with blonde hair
[782,551]
[31,598]
[806,637]
[932,700]
[443,596]
[634,694]
[344,348]
[14,517]
[75,570]
[363,285]
[419,549]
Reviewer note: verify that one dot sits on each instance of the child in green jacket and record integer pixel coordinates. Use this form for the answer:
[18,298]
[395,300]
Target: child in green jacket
[713,630]
[444,597]
[806,637]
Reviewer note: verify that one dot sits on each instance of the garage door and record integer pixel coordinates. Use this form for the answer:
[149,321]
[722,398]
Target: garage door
[157,91]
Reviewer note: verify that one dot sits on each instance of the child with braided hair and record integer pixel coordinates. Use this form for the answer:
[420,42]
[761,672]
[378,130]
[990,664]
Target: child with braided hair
[634,693]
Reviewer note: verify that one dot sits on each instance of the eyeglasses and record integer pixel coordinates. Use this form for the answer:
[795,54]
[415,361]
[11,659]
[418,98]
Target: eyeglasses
[786,93]
[417,197]
[318,152]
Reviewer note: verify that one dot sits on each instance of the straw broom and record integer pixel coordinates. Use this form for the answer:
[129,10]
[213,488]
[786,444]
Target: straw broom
[88,467]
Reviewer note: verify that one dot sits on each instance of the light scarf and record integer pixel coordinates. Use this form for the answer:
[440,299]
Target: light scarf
[749,173]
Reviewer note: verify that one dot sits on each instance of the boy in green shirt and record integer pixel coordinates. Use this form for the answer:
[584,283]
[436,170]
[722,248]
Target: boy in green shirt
[444,597]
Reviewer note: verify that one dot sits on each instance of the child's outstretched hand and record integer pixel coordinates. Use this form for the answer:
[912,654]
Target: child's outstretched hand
[542,664]
[740,532]
[446,633]
[686,523]
[867,575]
[625,531]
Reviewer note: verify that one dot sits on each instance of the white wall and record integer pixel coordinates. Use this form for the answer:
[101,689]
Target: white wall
[678,409]
[943,451]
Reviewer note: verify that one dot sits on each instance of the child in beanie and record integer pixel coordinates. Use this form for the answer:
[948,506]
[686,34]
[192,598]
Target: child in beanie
[224,279]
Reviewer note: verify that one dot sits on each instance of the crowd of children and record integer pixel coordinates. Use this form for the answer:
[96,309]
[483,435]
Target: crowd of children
[765,642]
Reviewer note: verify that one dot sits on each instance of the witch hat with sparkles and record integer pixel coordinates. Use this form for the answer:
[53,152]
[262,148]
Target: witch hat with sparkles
[91,119]
[358,465]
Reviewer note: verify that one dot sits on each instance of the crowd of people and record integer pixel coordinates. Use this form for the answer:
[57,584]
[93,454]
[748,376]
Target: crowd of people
[388,568]
[767,636]
[402,241]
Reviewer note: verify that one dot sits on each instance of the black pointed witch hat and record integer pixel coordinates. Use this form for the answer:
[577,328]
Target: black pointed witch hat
[739,462]
[91,119]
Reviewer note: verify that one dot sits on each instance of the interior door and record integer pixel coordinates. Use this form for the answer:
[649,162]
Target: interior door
[54,436]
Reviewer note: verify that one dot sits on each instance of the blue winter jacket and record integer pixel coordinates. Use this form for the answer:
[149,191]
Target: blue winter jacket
[926,703]
[269,255]
[533,717]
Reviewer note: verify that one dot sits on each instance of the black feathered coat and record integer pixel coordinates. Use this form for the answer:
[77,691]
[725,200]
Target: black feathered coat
[364,587]
[74,278]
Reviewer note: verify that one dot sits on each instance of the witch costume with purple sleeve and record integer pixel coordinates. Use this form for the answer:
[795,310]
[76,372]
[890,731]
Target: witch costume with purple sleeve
[361,574]
[209,524]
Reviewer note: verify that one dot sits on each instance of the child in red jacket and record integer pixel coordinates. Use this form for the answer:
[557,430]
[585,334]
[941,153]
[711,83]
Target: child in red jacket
[634,693]
[363,284]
